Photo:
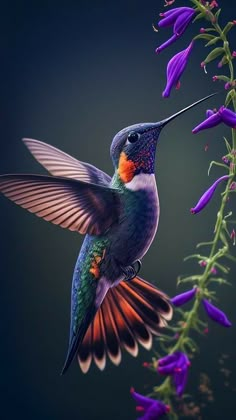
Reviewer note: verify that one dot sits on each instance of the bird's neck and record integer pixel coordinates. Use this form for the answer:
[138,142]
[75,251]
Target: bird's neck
[140,181]
[133,175]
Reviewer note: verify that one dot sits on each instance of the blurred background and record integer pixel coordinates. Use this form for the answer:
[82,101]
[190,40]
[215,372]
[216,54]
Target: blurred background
[74,73]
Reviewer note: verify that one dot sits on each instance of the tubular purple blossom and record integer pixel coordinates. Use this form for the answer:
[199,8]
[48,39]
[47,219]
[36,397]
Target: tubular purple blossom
[206,197]
[216,314]
[183,298]
[225,115]
[228,116]
[179,18]
[176,365]
[175,69]
[210,122]
[152,409]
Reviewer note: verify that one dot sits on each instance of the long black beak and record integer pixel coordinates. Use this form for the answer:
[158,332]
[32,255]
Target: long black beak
[167,120]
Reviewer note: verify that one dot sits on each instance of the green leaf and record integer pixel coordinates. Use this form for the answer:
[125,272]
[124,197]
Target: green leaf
[191,344]
[224,60]
[227,27]
[223,238]
[198,256]
[222,77]
[190,279]
[229,97]
[208,37]
[217,14]
[227,145]
[228,215]
[230,257]
[214,54]
[222,267]
[219,280]
[213,162]
[199,16]
[210,30]
[213,41]
[204,244]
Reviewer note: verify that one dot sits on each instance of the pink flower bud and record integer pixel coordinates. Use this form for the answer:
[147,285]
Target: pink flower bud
[233,236]
[233,186]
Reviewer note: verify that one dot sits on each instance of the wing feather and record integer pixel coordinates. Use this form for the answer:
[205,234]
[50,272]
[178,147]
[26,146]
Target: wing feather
[71,204]
[61,164]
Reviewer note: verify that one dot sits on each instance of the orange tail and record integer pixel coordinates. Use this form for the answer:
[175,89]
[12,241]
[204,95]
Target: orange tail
[130,313]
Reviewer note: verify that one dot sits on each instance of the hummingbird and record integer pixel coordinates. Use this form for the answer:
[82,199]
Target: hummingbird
[112,308]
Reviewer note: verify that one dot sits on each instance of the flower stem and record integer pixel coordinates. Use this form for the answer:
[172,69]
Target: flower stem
[218,245]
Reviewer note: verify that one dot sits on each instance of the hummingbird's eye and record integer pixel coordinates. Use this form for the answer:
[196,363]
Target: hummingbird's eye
[133,136]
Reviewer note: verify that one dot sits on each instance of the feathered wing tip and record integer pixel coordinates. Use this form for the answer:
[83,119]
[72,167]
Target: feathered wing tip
[129,315]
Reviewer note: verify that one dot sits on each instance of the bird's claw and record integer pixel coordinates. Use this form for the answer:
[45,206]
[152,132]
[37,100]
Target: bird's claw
[131,271]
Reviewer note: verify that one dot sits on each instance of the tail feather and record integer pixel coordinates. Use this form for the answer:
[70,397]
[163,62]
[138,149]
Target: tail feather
[85,351]
[135,322]
[111,333]
[129,315]
[125,333]
[99,354]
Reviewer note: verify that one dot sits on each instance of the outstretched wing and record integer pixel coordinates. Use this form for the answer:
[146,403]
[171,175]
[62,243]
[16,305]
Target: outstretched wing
[71,204]
[61,164]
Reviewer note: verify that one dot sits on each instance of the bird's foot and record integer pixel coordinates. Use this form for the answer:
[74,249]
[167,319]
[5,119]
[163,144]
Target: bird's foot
[132,270]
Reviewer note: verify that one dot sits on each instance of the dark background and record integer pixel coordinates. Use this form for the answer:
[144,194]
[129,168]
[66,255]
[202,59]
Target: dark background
[73,74]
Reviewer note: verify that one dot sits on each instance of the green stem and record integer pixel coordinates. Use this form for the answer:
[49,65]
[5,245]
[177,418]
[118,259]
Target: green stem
[217,251]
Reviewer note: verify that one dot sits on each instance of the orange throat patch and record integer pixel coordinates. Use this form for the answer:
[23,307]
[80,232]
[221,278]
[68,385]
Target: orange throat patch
[126,168]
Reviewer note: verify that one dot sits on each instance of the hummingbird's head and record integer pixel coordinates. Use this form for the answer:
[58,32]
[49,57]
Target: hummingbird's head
[133,149]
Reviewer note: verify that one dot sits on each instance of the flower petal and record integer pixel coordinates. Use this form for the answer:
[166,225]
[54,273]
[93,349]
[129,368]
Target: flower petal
[180,9]
[168,369]
[210,122]
[145,402]
[216,314]
[170,18]
[228,116]
[153,409]
[183,298]
[173,357]
[175,69]
[180,380]
[209,113]
[182,22]
[206,197]
[166,44]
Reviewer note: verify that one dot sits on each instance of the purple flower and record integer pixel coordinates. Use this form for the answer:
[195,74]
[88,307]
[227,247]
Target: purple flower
[228,117]
[224,115]
[183,298]
[179,18]
[151,409]
[206,197]
[209,113]
[176,365]
[175,69]
[216,314]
